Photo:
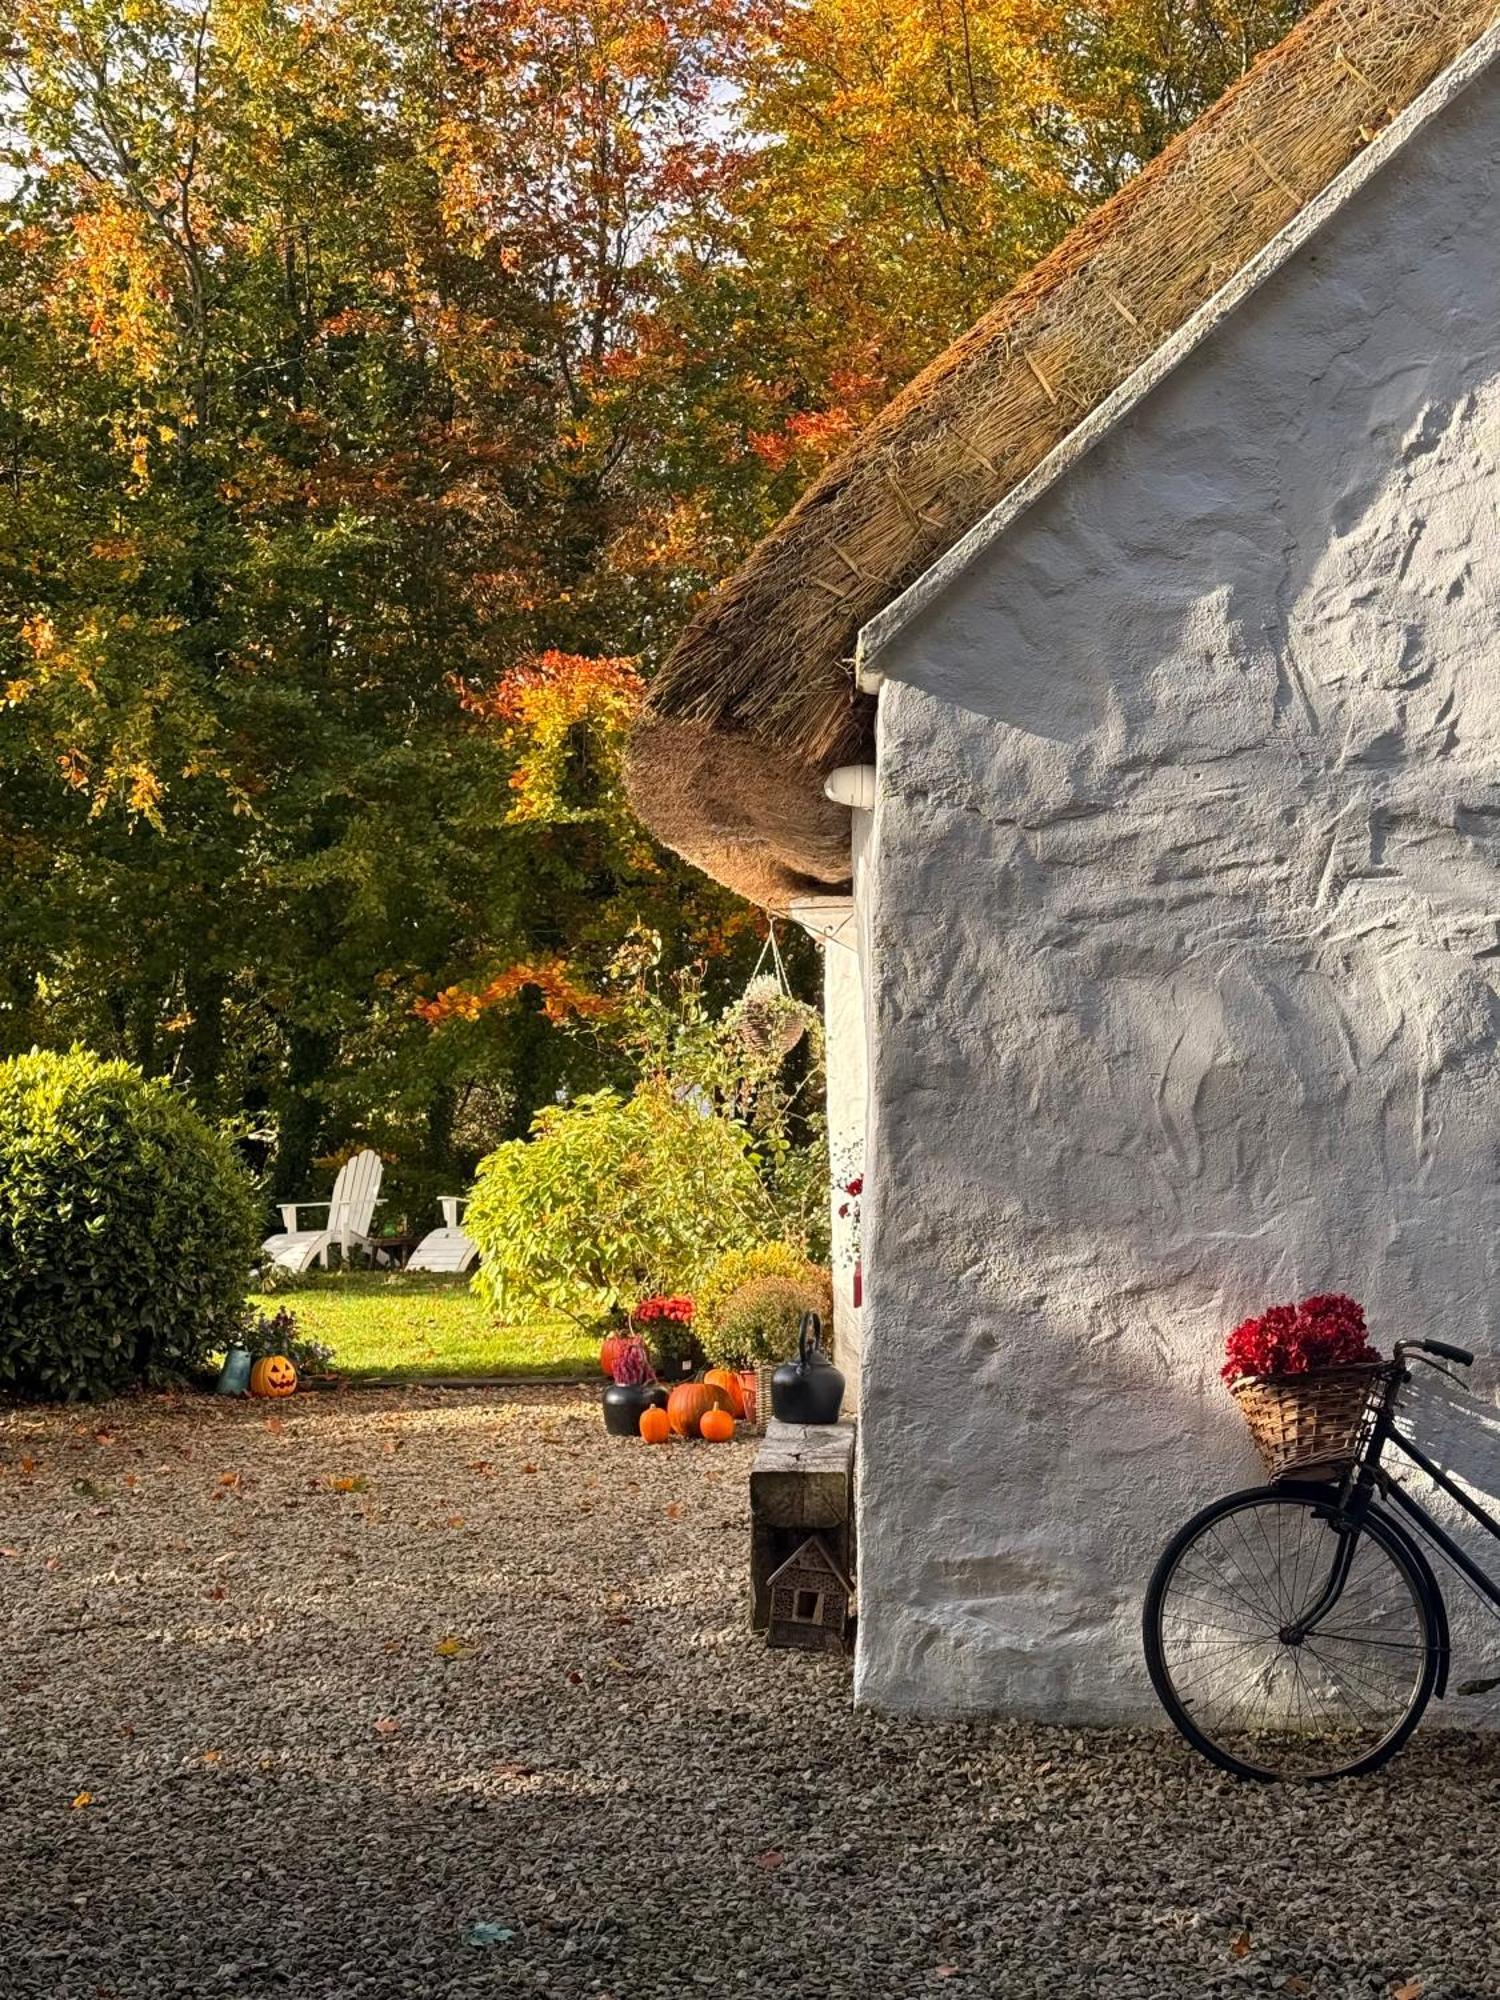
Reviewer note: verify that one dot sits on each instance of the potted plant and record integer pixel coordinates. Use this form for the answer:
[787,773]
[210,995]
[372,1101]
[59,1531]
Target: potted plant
[633,1391]
[1302,1376]
[262,1335]
[758,1325]
[668,1320]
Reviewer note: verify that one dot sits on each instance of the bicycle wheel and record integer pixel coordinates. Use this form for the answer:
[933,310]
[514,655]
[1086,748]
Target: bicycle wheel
[1244,1682]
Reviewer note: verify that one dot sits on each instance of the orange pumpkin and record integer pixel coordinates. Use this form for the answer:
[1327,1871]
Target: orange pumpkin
[656,1425]
[729,1382]
[690,1402]
[612,1348]
[717,1426]
[273,1375]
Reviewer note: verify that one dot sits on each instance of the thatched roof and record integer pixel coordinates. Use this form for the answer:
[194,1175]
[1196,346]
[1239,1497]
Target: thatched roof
[758,700]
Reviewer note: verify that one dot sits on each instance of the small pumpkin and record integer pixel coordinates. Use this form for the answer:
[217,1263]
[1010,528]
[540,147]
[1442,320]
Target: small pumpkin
[656,1425]
[690,1402]
[729,1382]
[717,1426]
[612,1347]
[273,1375]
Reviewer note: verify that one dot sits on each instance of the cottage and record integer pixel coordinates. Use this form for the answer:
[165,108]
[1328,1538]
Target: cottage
[1124,710]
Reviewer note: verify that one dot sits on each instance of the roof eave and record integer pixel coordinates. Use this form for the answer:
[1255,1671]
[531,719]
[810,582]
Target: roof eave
[878,632]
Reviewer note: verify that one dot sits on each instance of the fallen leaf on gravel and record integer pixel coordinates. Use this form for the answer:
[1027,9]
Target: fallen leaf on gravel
[212,1756]
[528,1468]
[28,1466]
[616,1666]
[275,1425]
[674,1512]
[1409,1989]
[513,1771]
[11,1555]
[229,1479]
[1239,1944]
[1294,1983]
[575,1679]
[387,1726]
[452,1649]
[348,1483]
[770,1857]
[455,1520]
[83,1799]
[944,1971]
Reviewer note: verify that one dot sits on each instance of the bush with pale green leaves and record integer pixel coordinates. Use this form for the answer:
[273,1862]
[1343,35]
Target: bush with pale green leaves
[759,1323]
[127,1229]
[612,1198]
[735,1269]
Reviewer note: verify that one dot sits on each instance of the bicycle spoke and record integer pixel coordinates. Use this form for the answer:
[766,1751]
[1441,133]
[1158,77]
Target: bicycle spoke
[1266,1695]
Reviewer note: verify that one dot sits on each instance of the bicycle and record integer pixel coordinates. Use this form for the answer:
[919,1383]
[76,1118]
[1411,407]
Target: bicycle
[1296,1630]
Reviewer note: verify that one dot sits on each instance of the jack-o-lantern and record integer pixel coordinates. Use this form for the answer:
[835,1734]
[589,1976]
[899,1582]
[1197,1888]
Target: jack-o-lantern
[690,1402]
[717,1426]
[273,1375]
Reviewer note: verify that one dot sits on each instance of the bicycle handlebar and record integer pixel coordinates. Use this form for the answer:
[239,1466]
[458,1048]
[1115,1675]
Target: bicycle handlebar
[1443,1348]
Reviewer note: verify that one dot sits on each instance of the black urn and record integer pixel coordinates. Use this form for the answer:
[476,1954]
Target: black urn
[809,1390]
[625,1403]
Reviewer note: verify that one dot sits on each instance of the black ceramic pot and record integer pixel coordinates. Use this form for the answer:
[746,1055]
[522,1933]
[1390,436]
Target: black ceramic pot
[625,1403]
[809,1390]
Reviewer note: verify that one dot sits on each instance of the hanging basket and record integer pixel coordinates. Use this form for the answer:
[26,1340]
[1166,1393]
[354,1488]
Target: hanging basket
[1299,1422]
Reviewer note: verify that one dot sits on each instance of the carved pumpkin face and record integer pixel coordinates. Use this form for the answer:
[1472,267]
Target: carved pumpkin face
[273,1375]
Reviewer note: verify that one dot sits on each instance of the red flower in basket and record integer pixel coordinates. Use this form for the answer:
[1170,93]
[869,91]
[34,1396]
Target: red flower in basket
[1325,1331]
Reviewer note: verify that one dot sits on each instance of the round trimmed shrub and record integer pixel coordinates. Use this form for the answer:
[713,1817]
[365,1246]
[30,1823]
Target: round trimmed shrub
[127,1229]
[736,1268]
[759,1323]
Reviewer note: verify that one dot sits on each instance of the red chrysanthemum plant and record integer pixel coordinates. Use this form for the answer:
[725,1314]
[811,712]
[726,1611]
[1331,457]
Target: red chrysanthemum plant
[1326,1330]
[658,1307]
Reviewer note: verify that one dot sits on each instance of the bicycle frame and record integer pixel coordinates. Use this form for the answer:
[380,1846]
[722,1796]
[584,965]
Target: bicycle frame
[1369,1473]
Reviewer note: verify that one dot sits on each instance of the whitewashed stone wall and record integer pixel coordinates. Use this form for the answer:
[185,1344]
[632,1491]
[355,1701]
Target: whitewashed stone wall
[1186,947]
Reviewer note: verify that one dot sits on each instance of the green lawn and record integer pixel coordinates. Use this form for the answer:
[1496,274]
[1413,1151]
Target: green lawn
[387,1324]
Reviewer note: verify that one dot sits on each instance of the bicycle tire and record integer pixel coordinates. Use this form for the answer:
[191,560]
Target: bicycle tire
[1426,1621]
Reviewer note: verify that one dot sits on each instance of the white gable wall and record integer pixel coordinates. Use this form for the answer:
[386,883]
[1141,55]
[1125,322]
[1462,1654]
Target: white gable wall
[1185,914]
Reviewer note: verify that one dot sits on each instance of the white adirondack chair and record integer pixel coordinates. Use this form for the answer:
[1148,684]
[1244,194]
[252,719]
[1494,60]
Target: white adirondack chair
[449,1248]
[356,1196]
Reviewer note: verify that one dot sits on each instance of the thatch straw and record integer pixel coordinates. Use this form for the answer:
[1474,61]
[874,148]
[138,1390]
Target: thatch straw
[767,661]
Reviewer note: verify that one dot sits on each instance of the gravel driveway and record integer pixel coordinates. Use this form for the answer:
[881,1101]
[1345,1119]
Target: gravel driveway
[447,1694]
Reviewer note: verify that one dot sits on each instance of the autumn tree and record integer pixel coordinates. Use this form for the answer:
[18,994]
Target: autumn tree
[380,386]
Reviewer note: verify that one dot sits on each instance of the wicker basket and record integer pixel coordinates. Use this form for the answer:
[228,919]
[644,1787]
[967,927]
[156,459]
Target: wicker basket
[1302,1421]
[755,1387]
